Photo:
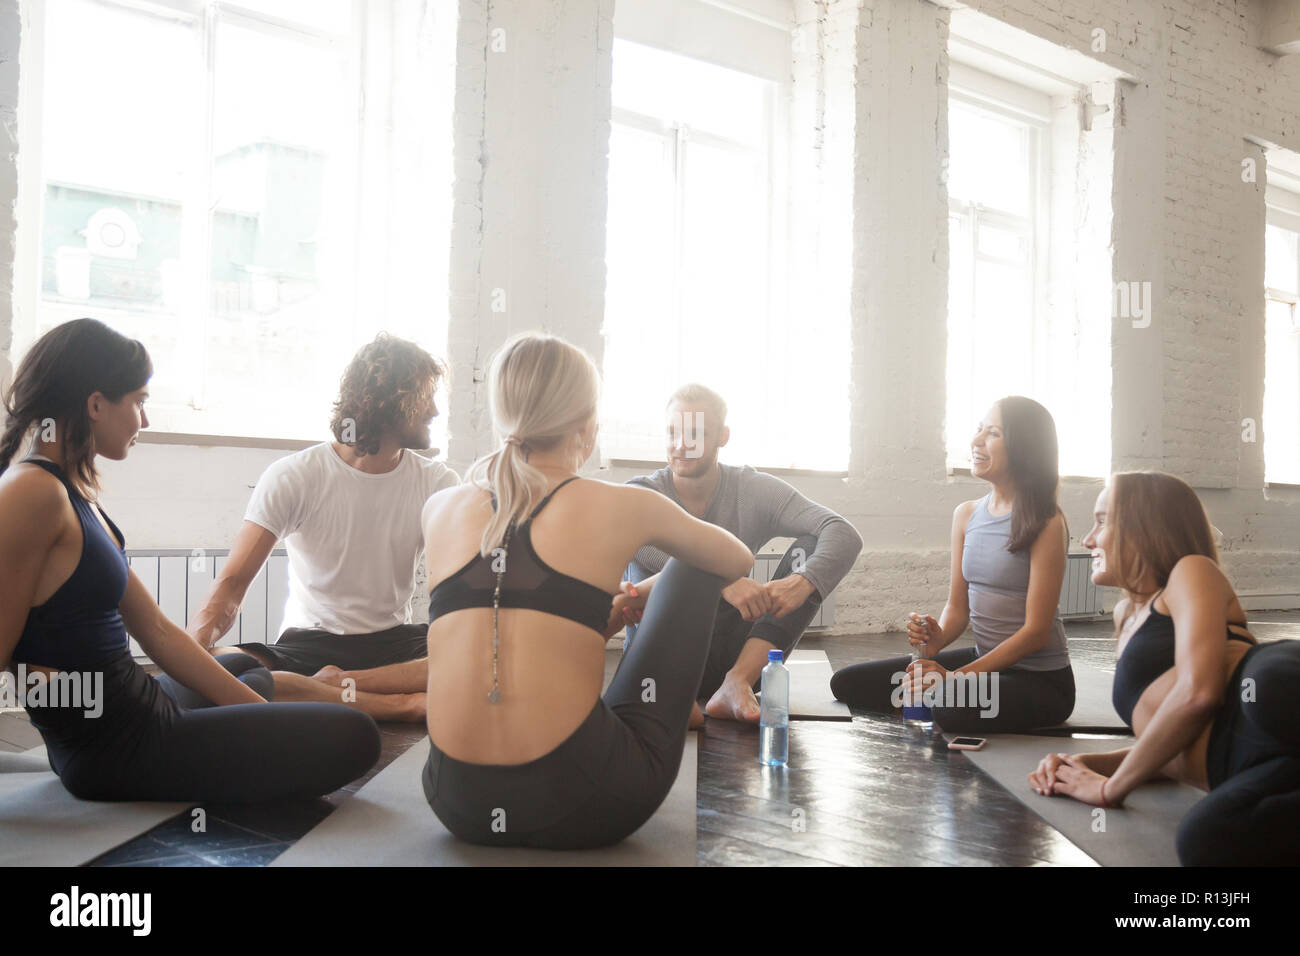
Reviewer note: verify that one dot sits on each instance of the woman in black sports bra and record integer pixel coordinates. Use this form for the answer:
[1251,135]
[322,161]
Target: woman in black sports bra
[528,561]
[68,600]
[1209,706]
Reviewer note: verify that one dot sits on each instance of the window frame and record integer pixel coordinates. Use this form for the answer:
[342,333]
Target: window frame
[1030,108]
[1282,210]
[204,17]
[770,153]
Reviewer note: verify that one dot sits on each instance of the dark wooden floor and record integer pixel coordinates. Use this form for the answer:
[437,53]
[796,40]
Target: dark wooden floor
[874,791]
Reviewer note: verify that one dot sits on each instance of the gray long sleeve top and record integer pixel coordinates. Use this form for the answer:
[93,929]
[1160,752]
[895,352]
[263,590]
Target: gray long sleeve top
[757,507]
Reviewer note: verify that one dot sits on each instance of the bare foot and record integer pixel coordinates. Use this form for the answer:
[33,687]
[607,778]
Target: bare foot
[329,674]
[734,700]
[697,717]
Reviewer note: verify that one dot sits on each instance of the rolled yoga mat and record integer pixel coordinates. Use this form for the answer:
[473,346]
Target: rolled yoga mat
[388,822]
[41,824]
[1140,833]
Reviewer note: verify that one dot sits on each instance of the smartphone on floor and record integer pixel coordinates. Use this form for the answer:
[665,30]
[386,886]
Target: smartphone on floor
[967,743]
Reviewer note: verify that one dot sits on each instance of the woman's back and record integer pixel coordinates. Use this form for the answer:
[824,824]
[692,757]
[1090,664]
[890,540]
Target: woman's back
[551,668]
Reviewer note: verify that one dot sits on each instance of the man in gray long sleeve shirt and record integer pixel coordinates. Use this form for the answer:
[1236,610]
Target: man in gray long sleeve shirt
[752,618]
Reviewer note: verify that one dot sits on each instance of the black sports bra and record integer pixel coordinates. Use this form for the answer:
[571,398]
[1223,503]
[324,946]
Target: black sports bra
[528,582]
[1147,655]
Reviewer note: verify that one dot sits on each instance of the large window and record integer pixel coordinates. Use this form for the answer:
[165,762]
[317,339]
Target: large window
[1282,335]
[995,226]
[697,268]
[202,177]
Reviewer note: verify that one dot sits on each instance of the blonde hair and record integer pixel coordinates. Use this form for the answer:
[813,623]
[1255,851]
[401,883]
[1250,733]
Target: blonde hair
[1156,520]
[540,390]
[696,394]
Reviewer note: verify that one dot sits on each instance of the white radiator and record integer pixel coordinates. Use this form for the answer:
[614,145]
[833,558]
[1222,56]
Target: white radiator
[180,581]
[765,566]
[1079,596]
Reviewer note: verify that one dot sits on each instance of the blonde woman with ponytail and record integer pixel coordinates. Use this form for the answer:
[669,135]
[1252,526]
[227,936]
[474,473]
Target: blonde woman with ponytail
[528,558]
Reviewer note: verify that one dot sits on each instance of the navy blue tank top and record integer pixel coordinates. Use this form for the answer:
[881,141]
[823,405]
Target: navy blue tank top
[1147,655]
[80,626]
[527,582]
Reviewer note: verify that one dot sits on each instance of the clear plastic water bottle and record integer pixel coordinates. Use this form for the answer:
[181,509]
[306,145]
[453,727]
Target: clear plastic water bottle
[774,718]
[918,714]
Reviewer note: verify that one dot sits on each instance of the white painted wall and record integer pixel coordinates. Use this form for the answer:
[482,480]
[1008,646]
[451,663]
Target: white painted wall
[531,130]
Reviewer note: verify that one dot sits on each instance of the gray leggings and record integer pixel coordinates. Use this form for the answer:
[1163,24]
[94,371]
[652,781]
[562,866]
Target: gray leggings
[731,631]
[611,774]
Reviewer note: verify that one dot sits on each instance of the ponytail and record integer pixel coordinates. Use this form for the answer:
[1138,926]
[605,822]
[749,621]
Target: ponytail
[541,391]
[518,485]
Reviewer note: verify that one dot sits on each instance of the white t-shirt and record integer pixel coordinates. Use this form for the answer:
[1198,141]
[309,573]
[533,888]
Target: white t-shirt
[354,539]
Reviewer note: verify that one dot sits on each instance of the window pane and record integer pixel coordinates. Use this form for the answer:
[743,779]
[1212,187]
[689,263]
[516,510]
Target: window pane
[988,159]
[1281,259]
[280,316]
[681,90]
[334,16]
[1281,395]
[724,288]
[1012,245]
[640,329]
[120,134]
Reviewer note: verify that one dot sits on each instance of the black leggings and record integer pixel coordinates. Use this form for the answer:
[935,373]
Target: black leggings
[1025,700]
[611,774]
[1253,761]
[144,746]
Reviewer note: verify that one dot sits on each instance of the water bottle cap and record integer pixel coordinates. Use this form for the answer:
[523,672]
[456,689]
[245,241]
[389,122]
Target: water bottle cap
[775,656]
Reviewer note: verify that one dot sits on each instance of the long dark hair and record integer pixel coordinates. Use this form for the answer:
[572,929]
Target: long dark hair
[1030,435]
[58,374]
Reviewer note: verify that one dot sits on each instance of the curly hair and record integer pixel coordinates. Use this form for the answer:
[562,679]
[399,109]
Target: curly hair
[381,390]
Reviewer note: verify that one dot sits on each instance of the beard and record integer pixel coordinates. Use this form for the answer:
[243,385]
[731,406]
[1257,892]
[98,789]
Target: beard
[415,437]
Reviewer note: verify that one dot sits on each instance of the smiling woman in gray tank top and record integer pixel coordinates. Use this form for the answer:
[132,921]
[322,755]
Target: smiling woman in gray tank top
[1008,564]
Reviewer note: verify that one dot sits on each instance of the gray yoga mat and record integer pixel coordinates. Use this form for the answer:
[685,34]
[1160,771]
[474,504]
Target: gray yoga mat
[41,824]
[1093,710]
[810,688]
[388,822]
[1141,833]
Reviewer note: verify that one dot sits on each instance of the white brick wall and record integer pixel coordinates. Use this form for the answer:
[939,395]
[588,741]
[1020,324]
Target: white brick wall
[531,138]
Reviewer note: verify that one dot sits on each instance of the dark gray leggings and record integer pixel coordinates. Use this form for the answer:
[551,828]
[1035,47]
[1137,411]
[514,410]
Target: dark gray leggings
[146,746]
[611,774]
[731,631]
[1026,699]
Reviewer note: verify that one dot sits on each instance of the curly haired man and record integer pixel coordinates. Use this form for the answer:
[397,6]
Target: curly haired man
[348,512]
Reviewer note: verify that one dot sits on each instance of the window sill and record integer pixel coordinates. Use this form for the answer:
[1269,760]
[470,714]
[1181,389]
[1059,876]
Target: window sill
[241,441]
[1072,479]
[805,472]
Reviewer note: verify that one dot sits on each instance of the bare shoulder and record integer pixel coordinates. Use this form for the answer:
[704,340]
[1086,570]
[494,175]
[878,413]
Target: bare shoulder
[961,514]
[34,506]
[1195,575]
[449,500]
[31,487]
[1121,610]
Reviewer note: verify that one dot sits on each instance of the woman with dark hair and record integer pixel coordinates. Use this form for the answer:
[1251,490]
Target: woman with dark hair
[1208,704]
[68,599]
[1008,564]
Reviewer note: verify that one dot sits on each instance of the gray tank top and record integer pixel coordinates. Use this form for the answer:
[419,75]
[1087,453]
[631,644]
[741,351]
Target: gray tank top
[998,587]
